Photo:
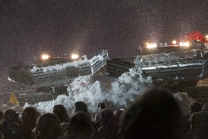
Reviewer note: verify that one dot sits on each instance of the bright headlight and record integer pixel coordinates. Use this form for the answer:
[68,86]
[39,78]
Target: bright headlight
[174,42]
[184,44]
[74,56]
[45,56]
[151,45]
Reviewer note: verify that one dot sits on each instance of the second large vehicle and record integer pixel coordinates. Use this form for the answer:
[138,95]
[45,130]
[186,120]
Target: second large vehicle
[178,65]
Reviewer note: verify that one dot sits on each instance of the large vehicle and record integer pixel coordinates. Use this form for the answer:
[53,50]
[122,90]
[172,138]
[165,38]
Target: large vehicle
[50,75]
[173,66]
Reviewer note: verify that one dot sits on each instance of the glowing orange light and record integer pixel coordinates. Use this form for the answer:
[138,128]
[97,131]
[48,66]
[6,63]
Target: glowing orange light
[174,41]
[45,56]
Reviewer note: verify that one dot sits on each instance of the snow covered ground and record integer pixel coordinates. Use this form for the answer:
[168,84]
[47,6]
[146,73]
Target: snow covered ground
[115,93]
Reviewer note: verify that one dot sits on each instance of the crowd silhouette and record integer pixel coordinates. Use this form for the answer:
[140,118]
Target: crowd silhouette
[154,115]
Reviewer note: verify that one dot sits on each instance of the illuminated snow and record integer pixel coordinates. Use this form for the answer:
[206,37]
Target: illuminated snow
[119,92]
[59,66]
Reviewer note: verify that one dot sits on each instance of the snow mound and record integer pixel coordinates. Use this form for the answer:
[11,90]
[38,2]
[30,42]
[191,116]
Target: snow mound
[118,93]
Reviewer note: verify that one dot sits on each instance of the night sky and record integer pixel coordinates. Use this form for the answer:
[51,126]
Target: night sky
[31,27]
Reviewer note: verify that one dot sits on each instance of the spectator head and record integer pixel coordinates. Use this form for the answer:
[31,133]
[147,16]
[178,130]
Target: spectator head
[11,116]
[1,117]
[154,115]
[107,117]
[80,124]
[205,108]
[61,112]
[30,116]
[48,126]
[195,107]
[80,106]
